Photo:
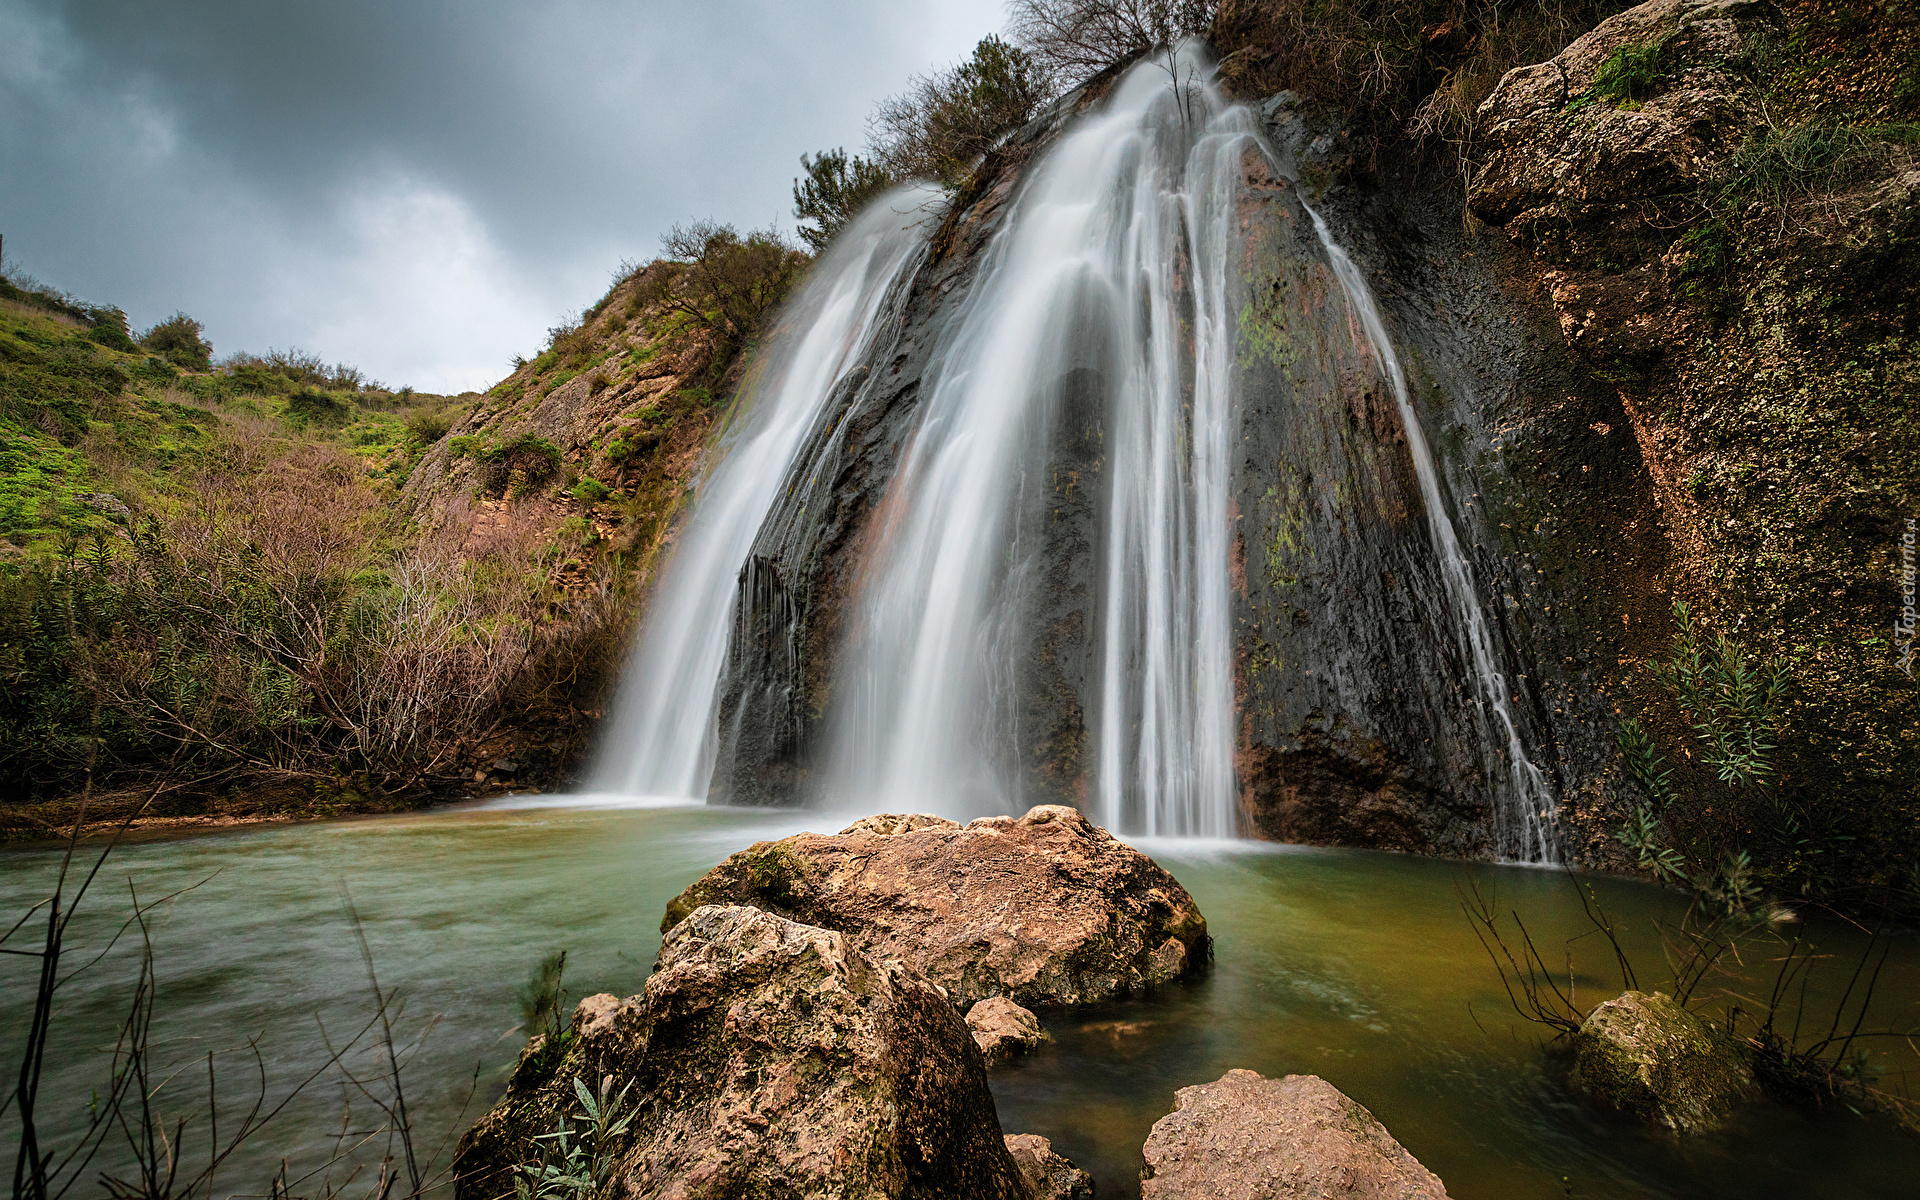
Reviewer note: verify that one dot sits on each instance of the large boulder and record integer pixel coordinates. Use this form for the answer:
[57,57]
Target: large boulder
[1647,1055]
[765,1058]
[1047,909]
[1246,1137]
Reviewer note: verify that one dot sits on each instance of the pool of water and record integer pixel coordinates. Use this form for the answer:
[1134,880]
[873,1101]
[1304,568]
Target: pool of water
[1358,967]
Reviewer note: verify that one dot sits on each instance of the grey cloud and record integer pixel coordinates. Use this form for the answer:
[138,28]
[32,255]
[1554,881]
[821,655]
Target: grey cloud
[420,187]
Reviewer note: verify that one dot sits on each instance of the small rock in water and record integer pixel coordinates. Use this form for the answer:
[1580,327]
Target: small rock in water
[1049,1175]
[1246,1137]
[1003,1030]
[1047,908]
[763,1057]
[1646,1054]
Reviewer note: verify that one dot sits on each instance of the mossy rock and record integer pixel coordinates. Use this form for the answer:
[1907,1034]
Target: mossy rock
[1645,1054]
[766,875]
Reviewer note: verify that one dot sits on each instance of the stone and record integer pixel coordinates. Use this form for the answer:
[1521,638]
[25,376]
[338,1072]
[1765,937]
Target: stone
[1647,1055]
[1246,1137]
[765,1057]
[1003,1030]
[1045,909]
[1048,1175]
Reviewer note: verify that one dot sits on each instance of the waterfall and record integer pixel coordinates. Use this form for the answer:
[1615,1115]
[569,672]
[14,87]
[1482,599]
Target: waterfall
[1524,811]
[1089,354]
[1100,301]
[661,740]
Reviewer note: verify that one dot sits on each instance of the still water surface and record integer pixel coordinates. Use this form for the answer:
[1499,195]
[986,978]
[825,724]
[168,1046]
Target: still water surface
[1359,967]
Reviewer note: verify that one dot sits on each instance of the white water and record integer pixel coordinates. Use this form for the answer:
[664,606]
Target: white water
[1524,828]
[1109,268]
[663,737]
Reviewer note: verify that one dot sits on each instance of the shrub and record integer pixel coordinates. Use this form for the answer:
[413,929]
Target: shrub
[1418,67]
[944,122]
[1072,40]
[109,329]
[272,629]
[724,281]
[179,340]
[836,188]
[429,426]
[279,371]
[311,406]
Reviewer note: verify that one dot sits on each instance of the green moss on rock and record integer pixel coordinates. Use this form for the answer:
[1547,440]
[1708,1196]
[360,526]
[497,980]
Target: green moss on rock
[1645,1054]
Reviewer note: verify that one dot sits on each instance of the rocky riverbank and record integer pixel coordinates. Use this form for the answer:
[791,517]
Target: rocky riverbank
[803,1033]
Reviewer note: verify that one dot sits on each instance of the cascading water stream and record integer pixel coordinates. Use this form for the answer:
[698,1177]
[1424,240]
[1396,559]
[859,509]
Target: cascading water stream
[1104,292]
[662,729]
[1524,829]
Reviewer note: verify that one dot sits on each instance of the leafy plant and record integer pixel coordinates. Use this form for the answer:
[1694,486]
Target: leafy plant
[835,189]
[1644,763]
[1732,698]
[1641,836]
[577,1158]
[591,490]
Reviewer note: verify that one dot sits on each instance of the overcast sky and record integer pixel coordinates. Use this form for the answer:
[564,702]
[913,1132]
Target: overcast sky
[418,187]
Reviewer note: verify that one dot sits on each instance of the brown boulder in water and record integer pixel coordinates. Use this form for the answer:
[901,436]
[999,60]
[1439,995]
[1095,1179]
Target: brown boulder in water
[1246,1137]
[1047,908]
[769,1058]
[1003,1030]
[1050,1176]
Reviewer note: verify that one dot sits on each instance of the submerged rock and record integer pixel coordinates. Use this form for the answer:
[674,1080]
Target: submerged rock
[1045,909]
[1647,1055]
[1003,1030]
[1246,1137]
[765,1057]
[1050,1176]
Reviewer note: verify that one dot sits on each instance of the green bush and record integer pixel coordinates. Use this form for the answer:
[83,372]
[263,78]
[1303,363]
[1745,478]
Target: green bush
[311,406]
[591,490]
[179,340]
[429,426]
[836,188]
[944,122]
[109,329]
[722,280]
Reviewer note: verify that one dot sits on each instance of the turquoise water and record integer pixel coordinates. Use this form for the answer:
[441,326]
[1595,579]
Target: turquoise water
[1358,967]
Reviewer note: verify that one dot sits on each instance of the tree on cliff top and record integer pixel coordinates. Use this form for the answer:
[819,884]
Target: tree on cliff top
[944,122]
[1072,40]
[726,282]
[836,188]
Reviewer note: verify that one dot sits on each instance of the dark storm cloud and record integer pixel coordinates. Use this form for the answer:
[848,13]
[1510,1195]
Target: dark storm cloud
[419,187]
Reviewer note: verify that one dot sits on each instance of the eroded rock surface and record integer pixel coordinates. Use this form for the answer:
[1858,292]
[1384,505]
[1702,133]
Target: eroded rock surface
[1246,1137]
[1050,1176]
[1044,909]
[767,1058]
[1003,1030]
[1647,1055]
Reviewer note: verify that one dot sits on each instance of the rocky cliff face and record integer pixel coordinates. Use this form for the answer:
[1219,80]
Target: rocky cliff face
[1662,347]
[1716,204]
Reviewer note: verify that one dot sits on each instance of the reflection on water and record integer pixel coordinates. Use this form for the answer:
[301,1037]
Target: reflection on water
[1354,966]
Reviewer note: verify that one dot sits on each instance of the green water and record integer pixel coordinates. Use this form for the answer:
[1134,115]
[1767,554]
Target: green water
[1354,966]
